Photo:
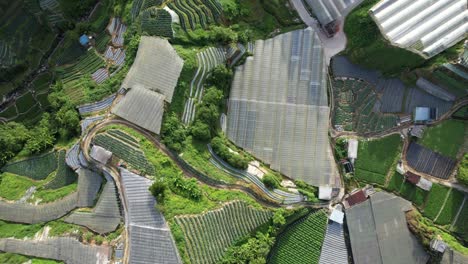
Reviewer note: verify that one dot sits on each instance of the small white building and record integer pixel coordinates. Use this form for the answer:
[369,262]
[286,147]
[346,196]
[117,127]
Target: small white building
[352,149]
[325,192]
[100,154]
[424,184]
[337,215]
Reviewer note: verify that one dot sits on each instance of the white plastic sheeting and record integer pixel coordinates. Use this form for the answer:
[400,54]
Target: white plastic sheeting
[278,107]
[157,67]
[427,27]
[330,10]
[142,107]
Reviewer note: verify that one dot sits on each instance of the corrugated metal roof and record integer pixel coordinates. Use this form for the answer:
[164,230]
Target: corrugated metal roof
[334,247]
[379,233]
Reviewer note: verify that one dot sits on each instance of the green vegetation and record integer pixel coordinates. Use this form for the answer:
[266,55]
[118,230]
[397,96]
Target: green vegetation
[11,258]
[64,175]
[13,187]
[221,147]
[435,200]
[451,207]
[18,230]
[445,138]
[395,182]
[375,158]
[271,181]
[462,175]
[452,83]
[460,227]
[46,195]
[156,22]
[367,47]
[36,168]
[301,242]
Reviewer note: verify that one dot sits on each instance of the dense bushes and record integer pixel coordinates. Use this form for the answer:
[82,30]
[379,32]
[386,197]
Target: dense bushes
[173,132]
[271,181]
[158,190]
[187,188]
[462,175]
[236,160]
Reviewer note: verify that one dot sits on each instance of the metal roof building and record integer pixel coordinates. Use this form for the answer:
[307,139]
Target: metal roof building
[334,247]
[379,233]
[278,107]
[157,67]
[426,27]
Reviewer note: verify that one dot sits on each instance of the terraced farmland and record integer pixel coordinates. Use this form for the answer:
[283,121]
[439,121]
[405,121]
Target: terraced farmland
[156,22]
[302,241]
[208,235]
[359,108]
[435,200]
[196,13]
[64,176]
[128,151]
[36,168]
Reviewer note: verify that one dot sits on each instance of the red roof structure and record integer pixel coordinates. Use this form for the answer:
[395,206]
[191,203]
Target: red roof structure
[356,198]
[412,178]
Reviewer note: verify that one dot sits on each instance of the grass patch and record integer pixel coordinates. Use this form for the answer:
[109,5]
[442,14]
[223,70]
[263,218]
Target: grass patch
[395,182]
[419,197]
[375,157]
[445,138]
[407,191]
[460,227]
[367,47]
[48,195]
[11,258]
[450,210]
[18,230]
[435,200]
[13,187]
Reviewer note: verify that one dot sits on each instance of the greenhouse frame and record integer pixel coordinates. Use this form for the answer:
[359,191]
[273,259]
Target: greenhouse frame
[426,27]
[278,107]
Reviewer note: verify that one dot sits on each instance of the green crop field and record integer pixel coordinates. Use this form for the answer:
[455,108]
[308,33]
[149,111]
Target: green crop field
[36,168]
[375,157]
[156,22]
[302,241]
[129,152]
[419,197]
[208,235]
[435,200]
[11,258]
[451,207]
[25,102]
[445,138]
[64,176]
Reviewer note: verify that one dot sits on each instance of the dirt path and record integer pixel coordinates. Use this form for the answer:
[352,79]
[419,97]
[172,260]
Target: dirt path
[443,205]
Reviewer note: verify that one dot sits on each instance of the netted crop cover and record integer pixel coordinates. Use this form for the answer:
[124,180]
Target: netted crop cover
[278,107]
[157,67]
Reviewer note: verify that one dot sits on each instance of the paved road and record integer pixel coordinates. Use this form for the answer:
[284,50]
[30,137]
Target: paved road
[332,46]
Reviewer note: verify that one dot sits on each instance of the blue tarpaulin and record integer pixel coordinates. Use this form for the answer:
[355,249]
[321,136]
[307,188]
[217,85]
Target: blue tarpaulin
[84,40]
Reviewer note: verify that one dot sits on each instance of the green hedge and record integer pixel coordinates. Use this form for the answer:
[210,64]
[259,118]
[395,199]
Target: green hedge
[236,160]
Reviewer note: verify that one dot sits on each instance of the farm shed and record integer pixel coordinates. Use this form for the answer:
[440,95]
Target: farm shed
[150,238]
[325,192]
[100,154]
[142,107]
[412,178]
[426,27]
[157,67]
[278,107]
[337,215]
[353,149]
[417,131]
[355,198]
[379,233]
[424,184]
[424,114]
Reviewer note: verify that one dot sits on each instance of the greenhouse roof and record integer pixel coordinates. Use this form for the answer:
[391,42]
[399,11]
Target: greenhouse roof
[142,107]
[329,10]
[278,107]
[157,67]
[379,233]
[427,27]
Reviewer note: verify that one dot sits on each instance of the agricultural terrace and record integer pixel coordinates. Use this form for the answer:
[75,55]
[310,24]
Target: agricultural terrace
[445,138]
[376,157]
[208,235]
[125,147]
[194,14]
[302,241]
[358,107]
[156,22]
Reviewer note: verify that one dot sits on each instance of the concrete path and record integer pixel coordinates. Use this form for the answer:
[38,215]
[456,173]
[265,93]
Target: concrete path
[332,46]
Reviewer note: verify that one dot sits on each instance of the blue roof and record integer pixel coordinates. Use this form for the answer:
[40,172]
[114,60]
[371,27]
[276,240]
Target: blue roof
[84,40]
[422,114]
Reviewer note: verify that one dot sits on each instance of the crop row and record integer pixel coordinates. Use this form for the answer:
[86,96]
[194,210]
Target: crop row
[133,156]
[124,137]
[36,168]
[302,241]
[156,22]
[64,175]
[209,235]
[196,12]
[87,64]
